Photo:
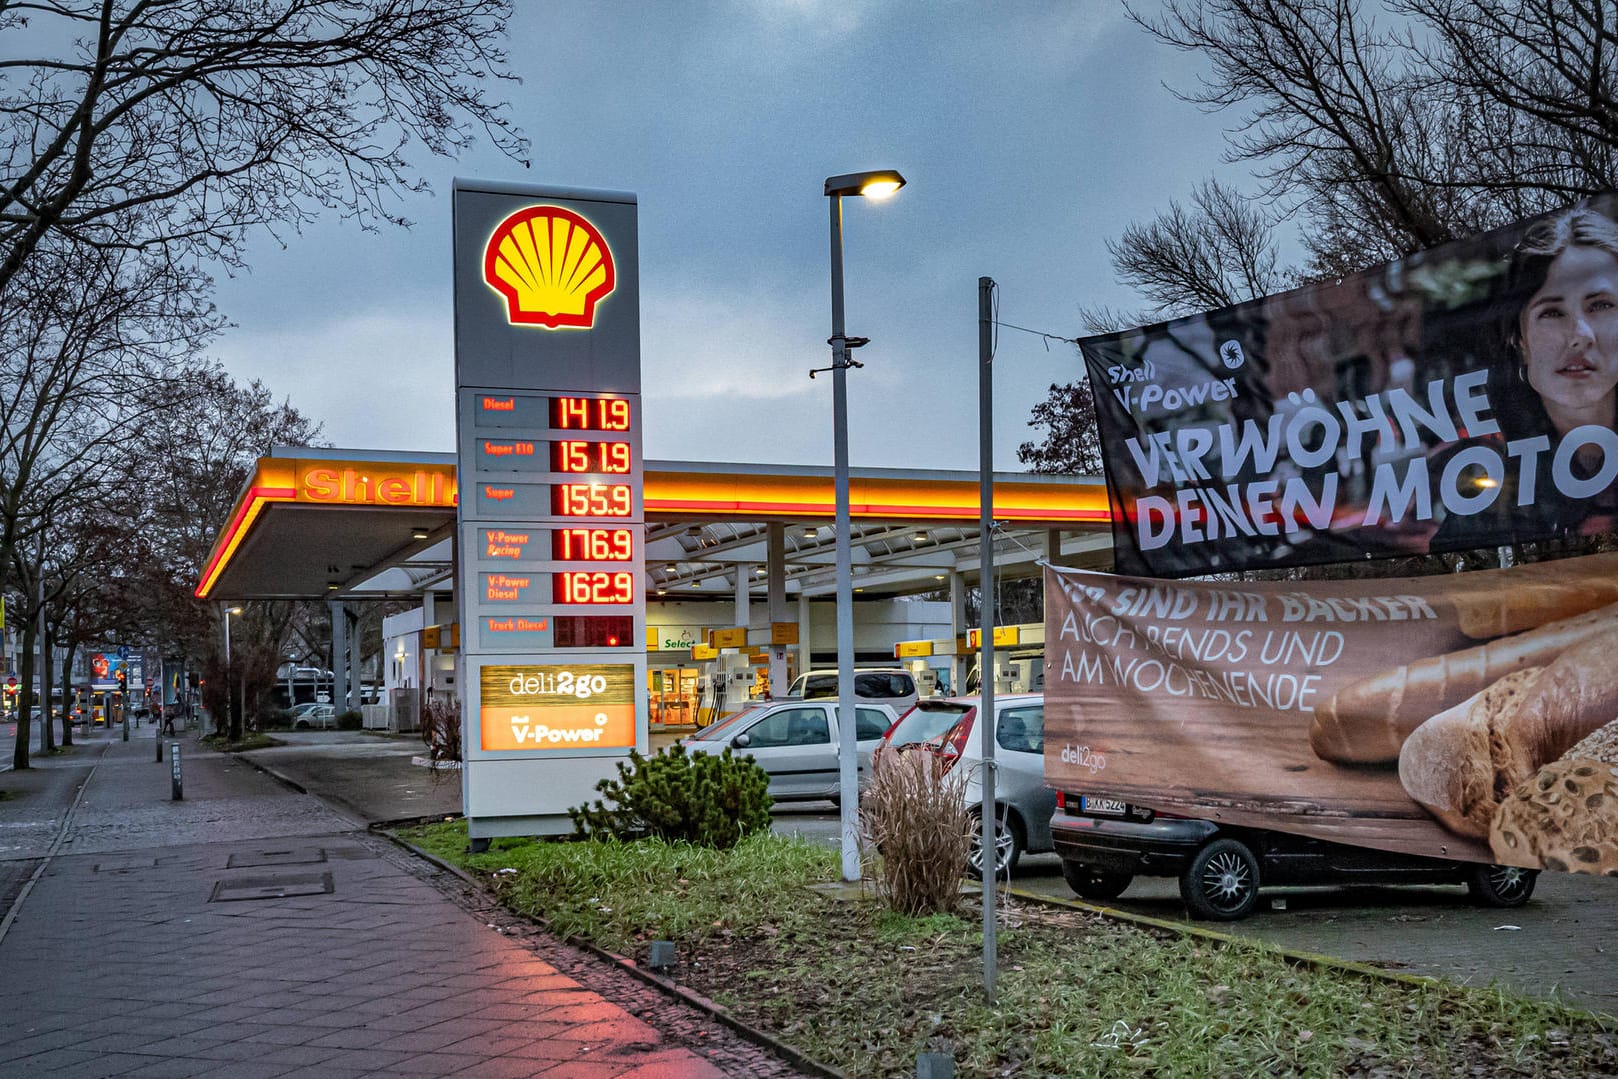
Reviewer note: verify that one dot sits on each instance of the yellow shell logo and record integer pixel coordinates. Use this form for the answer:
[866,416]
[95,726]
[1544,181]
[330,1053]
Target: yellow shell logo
[551,265]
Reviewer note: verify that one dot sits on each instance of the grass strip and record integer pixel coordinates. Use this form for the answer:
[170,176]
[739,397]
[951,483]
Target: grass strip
[865,990]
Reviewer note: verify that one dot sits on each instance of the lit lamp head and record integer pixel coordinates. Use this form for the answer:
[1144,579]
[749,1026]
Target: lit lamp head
[233,610]
[876,184]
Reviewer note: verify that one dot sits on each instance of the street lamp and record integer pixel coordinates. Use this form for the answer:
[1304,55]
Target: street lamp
[230,700]
[877,184]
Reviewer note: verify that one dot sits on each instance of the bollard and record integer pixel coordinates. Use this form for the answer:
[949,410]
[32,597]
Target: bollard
[661,957]
[157,736]
[174,773]
[126,726]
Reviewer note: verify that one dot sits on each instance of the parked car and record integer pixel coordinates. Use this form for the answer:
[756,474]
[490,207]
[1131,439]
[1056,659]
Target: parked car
[795,742]
[923,724]
[1105,843]
[314,715]
[1023,804]
[891,685]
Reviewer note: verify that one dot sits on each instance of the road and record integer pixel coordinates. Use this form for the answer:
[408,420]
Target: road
[1560,945]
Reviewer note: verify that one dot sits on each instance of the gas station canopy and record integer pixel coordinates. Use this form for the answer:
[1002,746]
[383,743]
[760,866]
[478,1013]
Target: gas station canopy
[367,524]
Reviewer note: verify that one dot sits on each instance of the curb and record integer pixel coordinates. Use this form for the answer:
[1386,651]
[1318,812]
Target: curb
[719,1014]
[1308,959]
[1313,960]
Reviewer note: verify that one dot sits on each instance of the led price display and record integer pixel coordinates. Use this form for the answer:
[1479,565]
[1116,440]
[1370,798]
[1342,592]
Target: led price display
[592,544]
[594,630]
[593,586]
[591,500]
[589,413]
[574,456]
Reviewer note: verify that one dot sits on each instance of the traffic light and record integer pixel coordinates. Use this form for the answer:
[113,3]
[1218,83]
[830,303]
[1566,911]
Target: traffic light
[123,680]
[191,679]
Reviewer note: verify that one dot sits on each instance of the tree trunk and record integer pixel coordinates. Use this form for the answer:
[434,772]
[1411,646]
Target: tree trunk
[25,705]
[67,694]
[47,729]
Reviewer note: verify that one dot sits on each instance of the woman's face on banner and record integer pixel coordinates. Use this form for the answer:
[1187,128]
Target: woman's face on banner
[1570,337]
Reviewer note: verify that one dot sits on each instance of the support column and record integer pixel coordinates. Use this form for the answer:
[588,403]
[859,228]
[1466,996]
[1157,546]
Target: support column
[775,576]
[744,579]
[339,652]
[960,662]
[356,651]
[806,651]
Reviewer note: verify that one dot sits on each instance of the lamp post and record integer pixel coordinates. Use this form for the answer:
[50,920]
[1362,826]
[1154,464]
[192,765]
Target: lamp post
[876,184]
[230,699]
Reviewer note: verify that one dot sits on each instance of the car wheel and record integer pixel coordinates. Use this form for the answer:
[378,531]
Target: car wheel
[302,725]
[1008,847]
[1501,885]
[1094,883]
[1221,883]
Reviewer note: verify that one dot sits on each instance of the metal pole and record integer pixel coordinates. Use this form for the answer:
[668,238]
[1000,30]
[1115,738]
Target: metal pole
[229,700]
[847,765]
[989,840]
[44,663]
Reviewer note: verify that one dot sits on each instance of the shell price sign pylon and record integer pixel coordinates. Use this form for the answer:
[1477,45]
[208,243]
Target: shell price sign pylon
[551,574]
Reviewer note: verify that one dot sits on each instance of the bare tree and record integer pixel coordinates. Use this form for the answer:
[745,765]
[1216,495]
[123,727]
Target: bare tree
[182,125]
[1380,144]
[91,344]
[191,462]
[1547,64]
[1219,251]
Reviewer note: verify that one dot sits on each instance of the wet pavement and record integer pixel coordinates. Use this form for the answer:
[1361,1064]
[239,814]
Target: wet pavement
[250,930]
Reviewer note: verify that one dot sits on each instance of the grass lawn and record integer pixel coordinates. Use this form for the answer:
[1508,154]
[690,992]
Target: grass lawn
[864,990]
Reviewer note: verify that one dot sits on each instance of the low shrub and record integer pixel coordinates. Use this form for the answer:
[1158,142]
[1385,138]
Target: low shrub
[441,728]
[711,801]
[914,815]
[350,721]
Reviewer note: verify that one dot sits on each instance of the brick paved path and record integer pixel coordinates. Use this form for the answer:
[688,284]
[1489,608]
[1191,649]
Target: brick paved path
[249,931]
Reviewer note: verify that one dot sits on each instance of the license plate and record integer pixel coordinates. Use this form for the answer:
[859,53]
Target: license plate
[1102,807]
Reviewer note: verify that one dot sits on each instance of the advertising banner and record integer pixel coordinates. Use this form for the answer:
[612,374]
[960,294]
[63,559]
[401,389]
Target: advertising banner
[1469,716]
[1462,397]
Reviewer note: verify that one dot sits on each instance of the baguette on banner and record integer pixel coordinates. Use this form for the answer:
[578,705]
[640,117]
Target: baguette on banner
[1445,716]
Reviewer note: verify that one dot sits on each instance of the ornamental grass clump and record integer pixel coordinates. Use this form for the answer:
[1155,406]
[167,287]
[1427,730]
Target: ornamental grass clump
[914,815]
[700,798]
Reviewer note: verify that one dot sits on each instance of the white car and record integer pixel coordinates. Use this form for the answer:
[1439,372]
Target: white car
[893,686]
[796,743]
[312,715]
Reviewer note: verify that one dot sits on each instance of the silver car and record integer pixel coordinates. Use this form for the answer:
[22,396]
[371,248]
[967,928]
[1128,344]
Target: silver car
[795,742]
[1023,803]
[313,715]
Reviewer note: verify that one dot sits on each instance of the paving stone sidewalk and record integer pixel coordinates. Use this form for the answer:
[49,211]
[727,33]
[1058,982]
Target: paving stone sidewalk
[251,931]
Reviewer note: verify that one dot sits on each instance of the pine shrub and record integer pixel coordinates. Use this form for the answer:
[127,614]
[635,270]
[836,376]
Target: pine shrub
[914,815]
[350,720]
[700,798]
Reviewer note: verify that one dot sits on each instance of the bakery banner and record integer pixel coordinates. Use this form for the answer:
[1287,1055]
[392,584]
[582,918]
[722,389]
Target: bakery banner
[1468,716]
[1462,397]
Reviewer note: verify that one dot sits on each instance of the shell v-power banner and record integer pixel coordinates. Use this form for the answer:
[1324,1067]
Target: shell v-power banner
[1469,716]
[1462,397]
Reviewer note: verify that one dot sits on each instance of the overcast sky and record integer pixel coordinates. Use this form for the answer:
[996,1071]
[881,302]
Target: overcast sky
[1029,133]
